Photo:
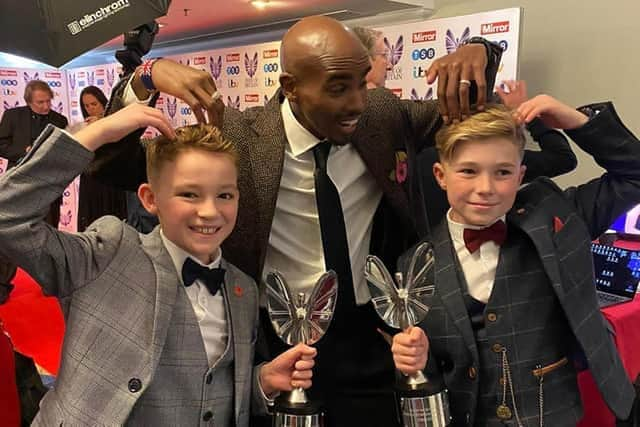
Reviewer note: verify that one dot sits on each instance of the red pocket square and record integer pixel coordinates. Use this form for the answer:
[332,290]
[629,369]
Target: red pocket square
[557,224]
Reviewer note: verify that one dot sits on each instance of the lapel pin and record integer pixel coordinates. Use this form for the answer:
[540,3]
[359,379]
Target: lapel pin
[557,224]
[238,291]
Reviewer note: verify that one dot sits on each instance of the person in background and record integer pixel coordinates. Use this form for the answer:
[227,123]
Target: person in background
[97,199]
[554,158]
[373,41]
[20,126]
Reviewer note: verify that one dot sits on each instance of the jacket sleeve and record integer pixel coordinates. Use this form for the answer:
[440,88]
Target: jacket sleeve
[6,133]
[60,262]
[555,156]
[600,201]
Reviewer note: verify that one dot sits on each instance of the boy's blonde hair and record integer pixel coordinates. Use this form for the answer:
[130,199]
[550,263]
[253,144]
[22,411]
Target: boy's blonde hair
[162,150]
[496,121]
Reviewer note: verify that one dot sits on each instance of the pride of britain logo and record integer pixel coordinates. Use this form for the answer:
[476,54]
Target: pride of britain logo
[395,54]
[251,67]
[215,66]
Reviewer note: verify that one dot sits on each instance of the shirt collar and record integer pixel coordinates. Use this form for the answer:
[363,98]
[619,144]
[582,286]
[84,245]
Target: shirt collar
[300,139]
[179,255]
[456,229]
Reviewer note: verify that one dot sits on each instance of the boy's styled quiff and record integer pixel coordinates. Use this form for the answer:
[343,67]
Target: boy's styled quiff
[162,150]
[496,121]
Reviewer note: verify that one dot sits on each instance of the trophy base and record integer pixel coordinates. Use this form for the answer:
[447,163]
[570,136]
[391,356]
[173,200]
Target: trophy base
[290,414]
[424,404]
[425,411]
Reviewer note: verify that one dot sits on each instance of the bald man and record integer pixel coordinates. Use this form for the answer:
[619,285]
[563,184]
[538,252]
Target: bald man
[322,97]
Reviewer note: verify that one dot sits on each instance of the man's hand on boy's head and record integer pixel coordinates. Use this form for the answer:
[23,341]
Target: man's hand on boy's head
[195,87]
[291,369]
[121,123]
[553,113]
[468,63]
[410,350]
[516,95]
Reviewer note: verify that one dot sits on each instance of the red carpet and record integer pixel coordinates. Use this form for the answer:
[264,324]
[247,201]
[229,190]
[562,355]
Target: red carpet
[34,322]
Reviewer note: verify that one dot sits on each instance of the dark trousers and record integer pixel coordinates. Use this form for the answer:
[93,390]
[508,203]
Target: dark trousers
[354,372]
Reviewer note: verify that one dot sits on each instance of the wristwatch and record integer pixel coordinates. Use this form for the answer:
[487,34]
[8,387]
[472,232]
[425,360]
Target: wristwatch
[494,54]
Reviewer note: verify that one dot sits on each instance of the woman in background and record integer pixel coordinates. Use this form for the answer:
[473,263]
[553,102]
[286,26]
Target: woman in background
[96,199]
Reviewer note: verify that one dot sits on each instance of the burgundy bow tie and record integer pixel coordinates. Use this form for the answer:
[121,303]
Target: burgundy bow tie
[473,239]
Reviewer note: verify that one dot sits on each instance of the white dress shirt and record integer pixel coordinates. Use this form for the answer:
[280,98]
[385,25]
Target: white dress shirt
[479,268]
[295,243]
[210,310]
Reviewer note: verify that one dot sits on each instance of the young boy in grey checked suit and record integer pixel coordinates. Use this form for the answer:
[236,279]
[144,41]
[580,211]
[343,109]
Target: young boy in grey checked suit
[515,300]
[160,329]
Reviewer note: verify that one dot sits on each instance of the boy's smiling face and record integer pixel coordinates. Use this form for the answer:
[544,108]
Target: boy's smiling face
[481,179]
[196,200]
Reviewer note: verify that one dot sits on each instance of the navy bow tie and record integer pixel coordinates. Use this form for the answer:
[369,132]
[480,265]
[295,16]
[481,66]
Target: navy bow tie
[474,238]
[213,278]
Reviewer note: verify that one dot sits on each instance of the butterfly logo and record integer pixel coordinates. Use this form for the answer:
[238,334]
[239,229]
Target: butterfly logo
[90,78]
[402,302]
[65,219]
[72,81]
[251,65]
[215,66]
[427,96]
[172,107]
[28,78]
[232,104]
[266,99]
[111,77]
[300,318]
[58,108]
[452,43]
[395,51]
[8,106]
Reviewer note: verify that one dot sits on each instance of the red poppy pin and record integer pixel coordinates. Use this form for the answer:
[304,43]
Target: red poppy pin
[399,174]
[557,224]
[238,291]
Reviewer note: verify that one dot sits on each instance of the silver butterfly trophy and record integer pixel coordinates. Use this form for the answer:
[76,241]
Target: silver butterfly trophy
[300,319]
[401,304]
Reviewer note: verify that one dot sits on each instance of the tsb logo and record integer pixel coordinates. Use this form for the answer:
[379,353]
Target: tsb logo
[270,68]
[8,82]
[423,54]
[233,70]
[54,83]
[185,111]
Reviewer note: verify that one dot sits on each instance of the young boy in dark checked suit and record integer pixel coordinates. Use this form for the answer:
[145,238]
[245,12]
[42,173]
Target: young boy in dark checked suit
[160,328]
[515,301]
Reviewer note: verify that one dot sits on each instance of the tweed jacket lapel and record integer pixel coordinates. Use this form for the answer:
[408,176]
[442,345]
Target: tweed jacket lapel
[167,282]
[448,285]
[266,156]
[379,154]
[533,221]
[241,331]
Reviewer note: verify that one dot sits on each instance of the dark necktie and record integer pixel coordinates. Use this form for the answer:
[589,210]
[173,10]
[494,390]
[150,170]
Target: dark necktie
[332,228]
[213,278]
[473,239]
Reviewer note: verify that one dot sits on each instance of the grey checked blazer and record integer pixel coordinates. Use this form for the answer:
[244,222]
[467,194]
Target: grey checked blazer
[117,289]
[586,211]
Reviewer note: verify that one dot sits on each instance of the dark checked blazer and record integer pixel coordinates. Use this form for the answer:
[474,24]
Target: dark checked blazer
[586,211]
[117,289]
[383,135]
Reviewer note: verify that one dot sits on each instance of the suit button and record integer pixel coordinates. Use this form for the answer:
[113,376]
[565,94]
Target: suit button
[497,348]
[492,317]
[207,416]
[473,373]
[520,211]
[135,385]
[209,378]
